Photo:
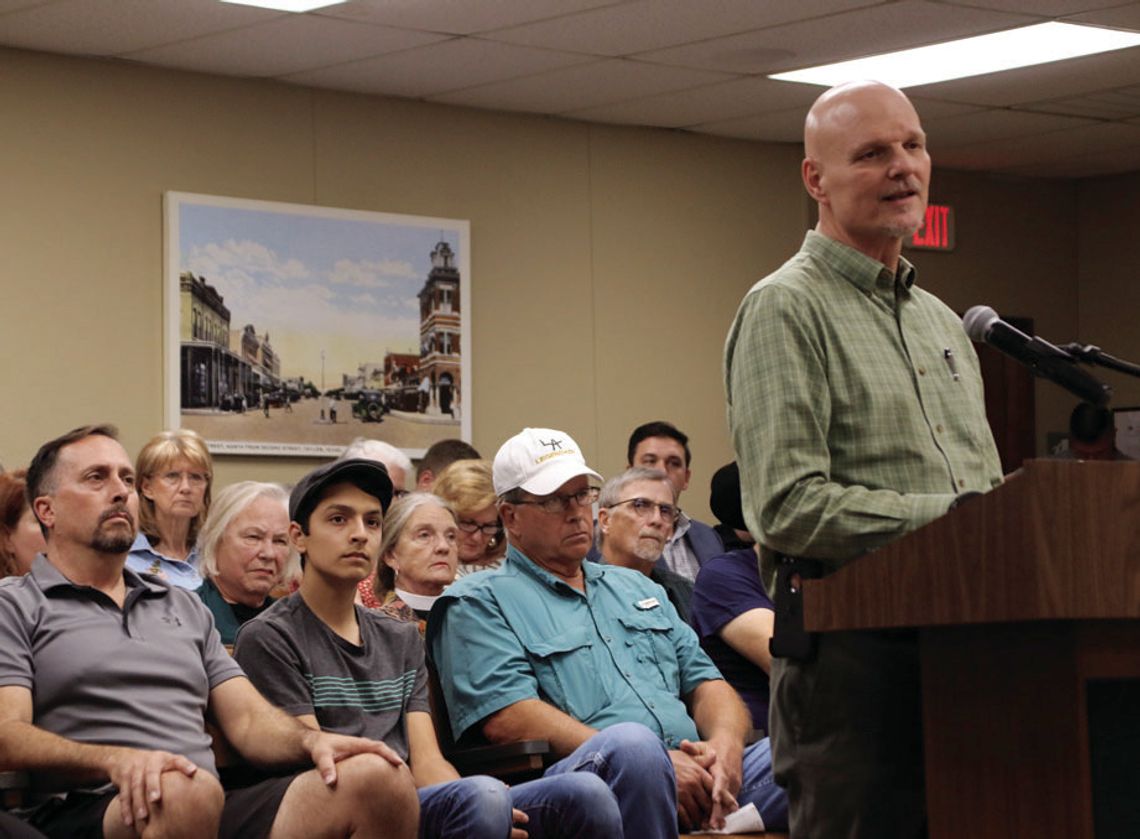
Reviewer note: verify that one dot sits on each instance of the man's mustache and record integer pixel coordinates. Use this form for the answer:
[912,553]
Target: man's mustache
[117,510]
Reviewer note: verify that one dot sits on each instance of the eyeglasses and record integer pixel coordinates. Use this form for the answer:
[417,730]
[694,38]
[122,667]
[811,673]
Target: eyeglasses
[561,503]
[644,508]
[489,530]
[174,479]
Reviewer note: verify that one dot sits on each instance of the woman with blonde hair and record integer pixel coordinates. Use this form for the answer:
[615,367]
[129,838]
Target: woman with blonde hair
[174,473]
[467,488]
[245,551]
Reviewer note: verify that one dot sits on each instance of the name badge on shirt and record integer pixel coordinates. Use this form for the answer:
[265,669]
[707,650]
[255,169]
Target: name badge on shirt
[648,603]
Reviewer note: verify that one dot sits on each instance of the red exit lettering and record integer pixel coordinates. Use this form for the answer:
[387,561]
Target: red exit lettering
[937,231]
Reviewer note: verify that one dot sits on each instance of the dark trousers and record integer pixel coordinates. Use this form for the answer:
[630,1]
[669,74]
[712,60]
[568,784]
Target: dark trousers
[846,730]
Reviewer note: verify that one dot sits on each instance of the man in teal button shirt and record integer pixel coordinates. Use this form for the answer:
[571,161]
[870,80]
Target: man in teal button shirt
[593,659]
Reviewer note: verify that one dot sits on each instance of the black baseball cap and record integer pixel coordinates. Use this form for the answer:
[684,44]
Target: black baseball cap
[368,475]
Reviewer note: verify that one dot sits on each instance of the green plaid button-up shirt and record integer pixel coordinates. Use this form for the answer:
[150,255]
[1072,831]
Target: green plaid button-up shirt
[855,405]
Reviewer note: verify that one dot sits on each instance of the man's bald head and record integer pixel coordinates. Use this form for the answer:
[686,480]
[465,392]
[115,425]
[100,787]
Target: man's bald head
[866,166]
[840,107]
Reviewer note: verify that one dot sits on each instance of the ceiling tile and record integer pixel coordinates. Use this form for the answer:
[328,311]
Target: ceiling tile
[115,27]
[286,45]
[437,68]
[997,124]
[709,103]
[1123,17]
[1057,80]
[778,127]
[1045,8]
[1106,104]
[583,86]
[458,17]
[635,27]
[880,28]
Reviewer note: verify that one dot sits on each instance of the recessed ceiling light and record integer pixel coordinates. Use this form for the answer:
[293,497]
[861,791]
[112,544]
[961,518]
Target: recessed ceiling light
[1024,47]
[287,5]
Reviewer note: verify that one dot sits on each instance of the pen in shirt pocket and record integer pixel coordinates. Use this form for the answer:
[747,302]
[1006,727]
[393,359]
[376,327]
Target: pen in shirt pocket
[948,354]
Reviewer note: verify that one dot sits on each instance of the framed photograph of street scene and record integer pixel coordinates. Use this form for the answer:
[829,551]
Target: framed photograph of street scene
[293,329]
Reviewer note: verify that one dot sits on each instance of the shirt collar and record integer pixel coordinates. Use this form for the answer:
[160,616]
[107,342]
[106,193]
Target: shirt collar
[48,577]
[868,275]
[680,528]
[590,570]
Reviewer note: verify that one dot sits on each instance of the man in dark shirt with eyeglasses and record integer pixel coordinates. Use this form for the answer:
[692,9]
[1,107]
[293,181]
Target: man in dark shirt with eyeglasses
[637,511]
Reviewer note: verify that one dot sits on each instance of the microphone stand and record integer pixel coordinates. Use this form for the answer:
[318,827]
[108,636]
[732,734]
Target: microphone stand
[1094,355]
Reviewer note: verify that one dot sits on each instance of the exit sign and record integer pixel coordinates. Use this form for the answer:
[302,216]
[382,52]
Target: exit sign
[937,231]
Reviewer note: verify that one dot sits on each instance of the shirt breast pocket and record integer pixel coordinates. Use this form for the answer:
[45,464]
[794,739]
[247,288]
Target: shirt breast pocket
[649,635]
[566,672]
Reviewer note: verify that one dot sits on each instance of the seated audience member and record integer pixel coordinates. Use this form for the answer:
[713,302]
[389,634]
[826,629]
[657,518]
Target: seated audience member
[588,657]
[731,612]
[20,536]
[337,667]
[417,557]
[174,475]
[660,445]
[438,457]
[245,552]
[636,513]
[467,488]
[106,677]
[1092,434]
[398,464]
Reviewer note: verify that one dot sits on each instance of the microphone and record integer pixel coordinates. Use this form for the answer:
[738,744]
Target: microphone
[1042,358]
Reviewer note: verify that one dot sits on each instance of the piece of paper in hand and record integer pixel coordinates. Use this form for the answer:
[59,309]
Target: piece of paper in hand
[745,820]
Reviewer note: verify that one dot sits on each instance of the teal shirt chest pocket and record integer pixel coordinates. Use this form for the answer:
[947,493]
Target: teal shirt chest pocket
[649,639]
[567,673]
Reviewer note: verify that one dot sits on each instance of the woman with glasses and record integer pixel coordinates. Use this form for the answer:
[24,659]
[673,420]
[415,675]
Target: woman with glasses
[174,472]
[418,556]
[466,487]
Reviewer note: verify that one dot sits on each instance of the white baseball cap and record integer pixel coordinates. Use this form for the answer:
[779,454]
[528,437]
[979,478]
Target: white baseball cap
[538,460]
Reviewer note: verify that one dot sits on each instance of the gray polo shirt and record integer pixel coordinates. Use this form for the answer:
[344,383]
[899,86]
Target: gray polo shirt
[137,677]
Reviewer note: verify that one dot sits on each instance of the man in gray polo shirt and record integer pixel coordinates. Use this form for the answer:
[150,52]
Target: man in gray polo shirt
[106,679]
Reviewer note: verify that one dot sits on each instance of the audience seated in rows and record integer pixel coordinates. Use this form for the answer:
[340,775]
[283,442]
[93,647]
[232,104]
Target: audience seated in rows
[175,474]
[106,677]
[21,539]
[245,553]
[467,488]
[731,611]
[636,513]
[587,657]
[337,667]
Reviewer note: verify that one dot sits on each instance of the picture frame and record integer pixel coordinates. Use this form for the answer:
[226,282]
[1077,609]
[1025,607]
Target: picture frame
[292,329]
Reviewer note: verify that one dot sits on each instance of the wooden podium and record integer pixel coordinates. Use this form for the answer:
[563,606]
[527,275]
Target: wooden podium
[1020,597]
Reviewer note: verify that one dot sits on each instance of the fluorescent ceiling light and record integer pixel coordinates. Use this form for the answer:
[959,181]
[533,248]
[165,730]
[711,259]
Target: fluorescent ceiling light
[287,5]
[1024,47]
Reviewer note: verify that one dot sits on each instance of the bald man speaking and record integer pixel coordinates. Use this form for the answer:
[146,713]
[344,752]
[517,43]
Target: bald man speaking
[856,410]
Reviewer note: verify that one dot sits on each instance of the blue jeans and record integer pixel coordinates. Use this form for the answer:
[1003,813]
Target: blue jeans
[634,763]
[479,807]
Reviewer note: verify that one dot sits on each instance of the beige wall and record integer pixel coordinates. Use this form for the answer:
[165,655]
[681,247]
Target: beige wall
[607,262]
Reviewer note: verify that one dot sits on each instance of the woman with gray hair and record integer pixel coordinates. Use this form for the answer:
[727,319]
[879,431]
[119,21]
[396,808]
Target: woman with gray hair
[245,552]
[418,557]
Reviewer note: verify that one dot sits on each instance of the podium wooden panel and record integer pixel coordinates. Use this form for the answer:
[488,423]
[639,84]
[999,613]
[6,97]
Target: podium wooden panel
[1019,597]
